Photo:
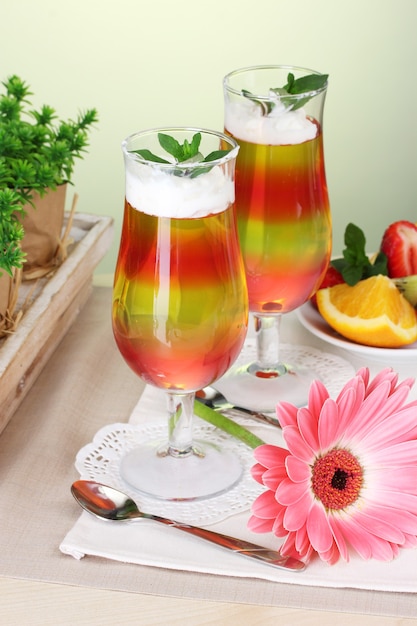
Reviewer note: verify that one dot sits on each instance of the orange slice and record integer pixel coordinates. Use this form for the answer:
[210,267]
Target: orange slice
[372,313]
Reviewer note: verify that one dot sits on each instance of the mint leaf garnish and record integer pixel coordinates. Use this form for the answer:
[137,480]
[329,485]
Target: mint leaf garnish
[188,152]
[181,153]
[304,84]
[149,156]
[355,264]
[213,156]
[266,105]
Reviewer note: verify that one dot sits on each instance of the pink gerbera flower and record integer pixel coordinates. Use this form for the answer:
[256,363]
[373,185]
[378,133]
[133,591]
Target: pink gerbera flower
[348,481]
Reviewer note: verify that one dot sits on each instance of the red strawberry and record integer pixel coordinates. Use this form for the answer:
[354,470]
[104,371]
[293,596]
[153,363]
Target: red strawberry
[332,277]
[399,243]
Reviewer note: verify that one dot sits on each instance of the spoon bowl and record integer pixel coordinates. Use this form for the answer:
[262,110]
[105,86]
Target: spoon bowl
[111,504]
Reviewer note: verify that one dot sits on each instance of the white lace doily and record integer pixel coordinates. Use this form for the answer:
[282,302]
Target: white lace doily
[101,459]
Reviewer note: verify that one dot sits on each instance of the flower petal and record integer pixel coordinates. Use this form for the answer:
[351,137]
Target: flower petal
[404,521]
[371,411]
[278,527]
[288,548]
[339,538]
[258,525]
[289,493]
[297,470]
[273,477]
[296,444]
[270,456]
[296,515]
[330,556]
[317,396]
[286,414]
[301,540]
[380,527]
[357,384]
[366,544]
[265,506]
[354,536]
[401,425]
[318,529]
[400,455]
[402,478]
[307,424]
[328,424]
[348,402]
[398,500]
[257,472]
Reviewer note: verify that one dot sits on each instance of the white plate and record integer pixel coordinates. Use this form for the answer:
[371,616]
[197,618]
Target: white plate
[311,319]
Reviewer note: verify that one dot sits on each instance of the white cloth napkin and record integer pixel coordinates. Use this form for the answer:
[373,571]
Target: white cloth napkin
[147,543]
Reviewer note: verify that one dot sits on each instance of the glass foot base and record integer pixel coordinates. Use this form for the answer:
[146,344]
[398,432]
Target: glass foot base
[244,388]
[181,478]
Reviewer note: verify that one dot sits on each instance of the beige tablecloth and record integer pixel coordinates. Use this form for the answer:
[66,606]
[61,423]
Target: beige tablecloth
[85,386]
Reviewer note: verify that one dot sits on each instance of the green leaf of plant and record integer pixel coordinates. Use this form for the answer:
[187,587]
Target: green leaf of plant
[37,154]
[304,84]
[290,82]
[379,266]
[213,156]
[149,156]
[266,105]
[195,142]
[352,274]
[188,152]
[355,264]
[170,145]
[355,238]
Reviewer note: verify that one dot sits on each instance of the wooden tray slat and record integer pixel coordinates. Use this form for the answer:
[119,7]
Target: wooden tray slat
[53,309]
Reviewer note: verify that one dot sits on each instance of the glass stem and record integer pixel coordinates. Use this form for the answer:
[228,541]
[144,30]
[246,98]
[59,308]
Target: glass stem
[267,329]
[180,426]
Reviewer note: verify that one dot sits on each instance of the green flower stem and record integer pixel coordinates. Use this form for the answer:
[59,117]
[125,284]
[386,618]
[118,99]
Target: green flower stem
[226,424]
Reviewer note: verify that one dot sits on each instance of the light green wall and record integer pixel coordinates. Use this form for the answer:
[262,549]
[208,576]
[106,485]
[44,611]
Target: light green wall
[144,64]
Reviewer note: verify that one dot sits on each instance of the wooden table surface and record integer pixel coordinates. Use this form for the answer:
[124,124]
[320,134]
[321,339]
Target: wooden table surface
[31,603]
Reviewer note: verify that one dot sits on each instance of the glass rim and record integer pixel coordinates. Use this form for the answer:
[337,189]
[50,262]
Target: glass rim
[254,68]
[186,165]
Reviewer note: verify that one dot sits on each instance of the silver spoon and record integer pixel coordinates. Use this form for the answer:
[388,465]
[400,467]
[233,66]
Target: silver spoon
[111,504]
[216,401]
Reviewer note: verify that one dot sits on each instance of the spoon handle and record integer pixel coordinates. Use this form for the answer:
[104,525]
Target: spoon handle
[231,410]
[240,411]
[245,548]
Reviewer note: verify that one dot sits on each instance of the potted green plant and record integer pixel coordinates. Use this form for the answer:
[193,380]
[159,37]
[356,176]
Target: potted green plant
[37,159]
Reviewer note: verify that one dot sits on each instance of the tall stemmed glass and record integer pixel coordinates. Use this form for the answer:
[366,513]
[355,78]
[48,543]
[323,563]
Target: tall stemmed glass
[275,114]
[180,304]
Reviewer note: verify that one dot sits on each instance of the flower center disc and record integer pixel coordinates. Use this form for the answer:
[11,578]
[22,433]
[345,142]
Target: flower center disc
[337,479]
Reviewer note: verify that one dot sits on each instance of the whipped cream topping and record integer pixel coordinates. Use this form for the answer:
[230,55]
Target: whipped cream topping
[158,192]
[282,126]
